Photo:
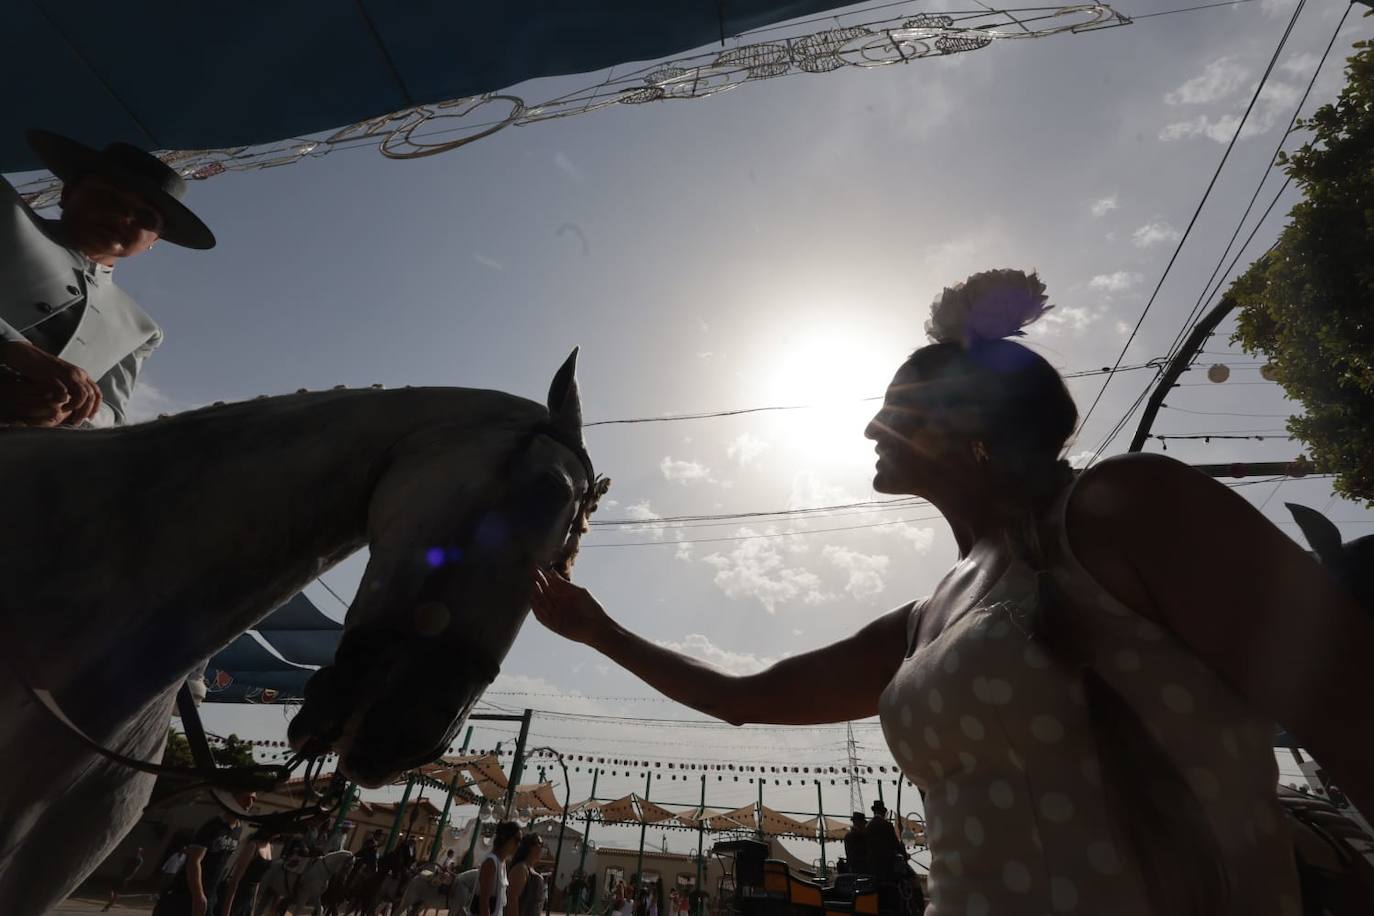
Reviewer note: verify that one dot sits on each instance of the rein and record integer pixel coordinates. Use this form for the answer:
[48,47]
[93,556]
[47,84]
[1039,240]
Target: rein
[223,783]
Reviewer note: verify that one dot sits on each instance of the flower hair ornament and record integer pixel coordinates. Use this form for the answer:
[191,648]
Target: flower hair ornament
[987,306]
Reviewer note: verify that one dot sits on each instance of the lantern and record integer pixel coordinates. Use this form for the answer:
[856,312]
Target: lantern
[1219,373]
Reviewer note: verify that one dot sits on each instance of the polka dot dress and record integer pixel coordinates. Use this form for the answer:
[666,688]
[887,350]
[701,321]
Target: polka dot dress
[996,734]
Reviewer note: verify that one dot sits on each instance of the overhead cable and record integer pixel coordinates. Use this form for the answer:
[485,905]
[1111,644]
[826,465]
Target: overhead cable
[1197,212]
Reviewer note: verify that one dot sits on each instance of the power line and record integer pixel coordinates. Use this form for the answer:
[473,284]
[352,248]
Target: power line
[1189,9]
[726,521]
[655,721]
[1197,212]
[780,534]
[713,414]
[1264,177]
[899,502]
[1280,434]
[1226,413]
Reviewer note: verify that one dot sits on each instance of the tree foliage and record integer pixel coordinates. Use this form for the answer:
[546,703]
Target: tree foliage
[233,751]
[1308,306]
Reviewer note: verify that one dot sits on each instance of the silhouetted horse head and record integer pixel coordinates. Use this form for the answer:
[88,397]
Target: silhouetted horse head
[459,520]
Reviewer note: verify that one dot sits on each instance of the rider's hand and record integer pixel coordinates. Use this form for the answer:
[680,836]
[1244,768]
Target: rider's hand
[26,403]
[569,610]
[59,394]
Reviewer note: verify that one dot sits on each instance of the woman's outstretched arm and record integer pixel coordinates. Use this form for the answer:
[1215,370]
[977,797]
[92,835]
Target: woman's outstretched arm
[836,683]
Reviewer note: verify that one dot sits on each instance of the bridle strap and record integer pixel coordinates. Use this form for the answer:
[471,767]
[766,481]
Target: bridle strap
[573,445]
[222,782]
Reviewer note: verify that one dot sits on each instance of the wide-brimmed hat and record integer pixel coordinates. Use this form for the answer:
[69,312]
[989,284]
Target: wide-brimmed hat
[132,169]
[879,807]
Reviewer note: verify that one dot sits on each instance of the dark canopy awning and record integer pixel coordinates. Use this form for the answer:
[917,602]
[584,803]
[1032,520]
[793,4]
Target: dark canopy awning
[245,671]
[165,77]
[300,632]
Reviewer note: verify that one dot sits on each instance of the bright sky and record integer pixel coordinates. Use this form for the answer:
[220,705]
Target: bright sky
[778,244]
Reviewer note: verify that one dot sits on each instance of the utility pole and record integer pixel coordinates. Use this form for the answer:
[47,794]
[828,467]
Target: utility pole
[643,826]
[517,765]
[856,794]
[586,839]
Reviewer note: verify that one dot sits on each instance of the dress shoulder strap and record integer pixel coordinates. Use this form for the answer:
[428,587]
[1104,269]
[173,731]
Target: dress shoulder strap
[1095,609]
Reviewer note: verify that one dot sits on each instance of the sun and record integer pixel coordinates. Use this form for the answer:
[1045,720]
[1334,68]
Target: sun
[839,374]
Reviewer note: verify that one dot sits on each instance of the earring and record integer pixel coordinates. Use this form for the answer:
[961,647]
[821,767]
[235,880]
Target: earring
[980,452]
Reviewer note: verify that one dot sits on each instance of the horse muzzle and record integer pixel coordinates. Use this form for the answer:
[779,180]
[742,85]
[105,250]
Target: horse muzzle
[395,707]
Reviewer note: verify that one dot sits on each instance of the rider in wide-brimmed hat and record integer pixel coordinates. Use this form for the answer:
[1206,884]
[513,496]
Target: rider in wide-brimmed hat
[71,342]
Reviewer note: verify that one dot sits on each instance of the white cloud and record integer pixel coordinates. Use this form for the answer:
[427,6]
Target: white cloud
[921,538]
[1300,64]
[1074,318]
[147,402]
[756,569]
[641,512]
[569,700]
[1117,282]
[1225,81]
[1154,233]
[865,570]
[808,490]
[685,471]
[1104,205]
[698,646]
[745,448]
[684,551]
[487,262]
[1218,80]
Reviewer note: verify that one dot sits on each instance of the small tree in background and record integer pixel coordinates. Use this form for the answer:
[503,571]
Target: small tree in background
[233,751]
[1308,306]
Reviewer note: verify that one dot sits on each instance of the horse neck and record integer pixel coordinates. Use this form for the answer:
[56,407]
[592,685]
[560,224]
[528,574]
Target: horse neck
[192,529]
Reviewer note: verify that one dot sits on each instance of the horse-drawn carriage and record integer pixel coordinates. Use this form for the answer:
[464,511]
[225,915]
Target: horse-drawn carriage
[755,885]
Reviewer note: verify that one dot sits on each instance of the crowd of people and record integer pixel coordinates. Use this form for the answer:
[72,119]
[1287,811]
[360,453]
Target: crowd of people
[646,898]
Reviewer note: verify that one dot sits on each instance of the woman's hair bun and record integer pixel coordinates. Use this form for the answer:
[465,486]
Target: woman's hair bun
[987,306]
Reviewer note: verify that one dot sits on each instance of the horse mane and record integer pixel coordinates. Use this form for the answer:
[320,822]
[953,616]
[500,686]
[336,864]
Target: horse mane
[580,526]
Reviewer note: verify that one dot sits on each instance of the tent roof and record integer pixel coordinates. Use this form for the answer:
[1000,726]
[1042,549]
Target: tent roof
[301,633]
[264,72]
[243,670]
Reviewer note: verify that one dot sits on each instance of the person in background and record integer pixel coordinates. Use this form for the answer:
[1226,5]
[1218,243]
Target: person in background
[366,860]
[883,846]
[127,874]
[856,843]
[493,880]
[525,896]
[168,873]
[241,887]
[884,856]
[71,341]
[207,858]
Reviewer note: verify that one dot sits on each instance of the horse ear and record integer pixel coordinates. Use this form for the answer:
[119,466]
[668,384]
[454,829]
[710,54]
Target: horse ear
[1323,536]
[565,404]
